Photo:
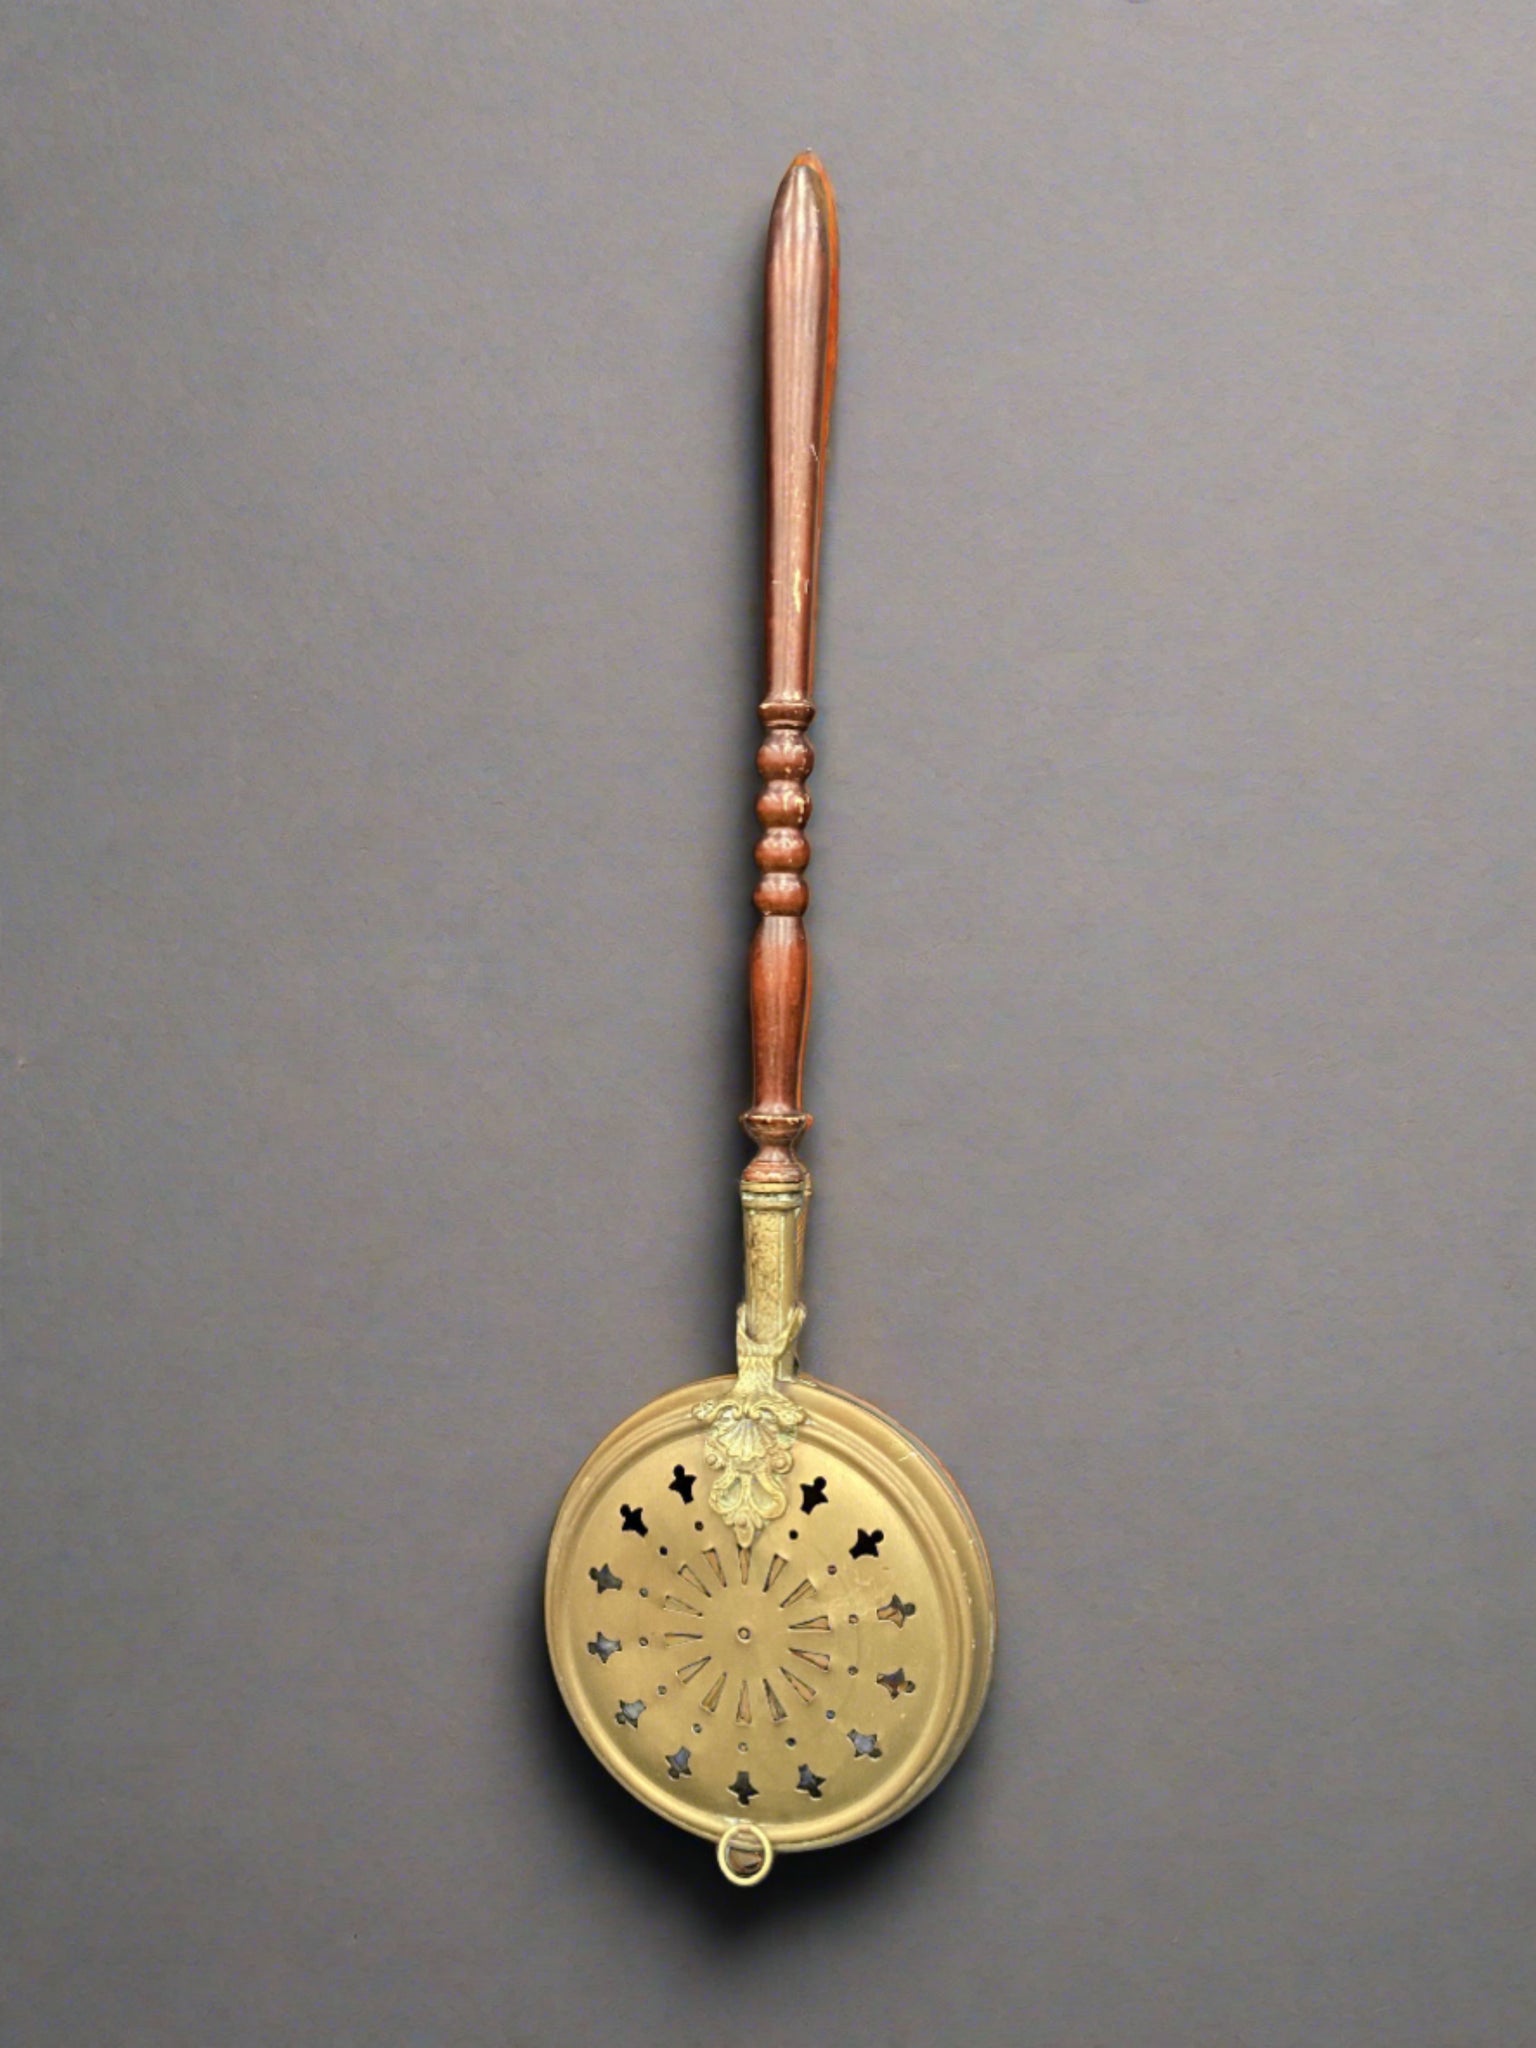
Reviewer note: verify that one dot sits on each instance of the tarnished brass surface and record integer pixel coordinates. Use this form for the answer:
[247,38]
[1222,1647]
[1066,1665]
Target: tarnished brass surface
[773,1238]
[816,1683]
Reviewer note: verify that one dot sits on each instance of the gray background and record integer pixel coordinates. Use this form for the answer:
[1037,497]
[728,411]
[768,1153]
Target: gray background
[380,529]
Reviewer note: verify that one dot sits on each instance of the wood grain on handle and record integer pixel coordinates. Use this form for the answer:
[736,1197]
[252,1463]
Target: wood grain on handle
[800,359]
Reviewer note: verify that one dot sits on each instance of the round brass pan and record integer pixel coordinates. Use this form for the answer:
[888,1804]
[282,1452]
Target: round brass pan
[815,1684]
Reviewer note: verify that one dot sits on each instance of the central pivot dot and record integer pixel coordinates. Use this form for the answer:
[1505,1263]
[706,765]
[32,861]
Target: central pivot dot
[745,1634]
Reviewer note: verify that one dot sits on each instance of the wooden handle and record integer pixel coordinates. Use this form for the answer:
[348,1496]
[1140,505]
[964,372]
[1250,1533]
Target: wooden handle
[800,359]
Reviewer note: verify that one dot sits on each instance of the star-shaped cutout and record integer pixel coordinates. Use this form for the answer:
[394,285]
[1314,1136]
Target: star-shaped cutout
[865,1745]
[681,1484]
[677,1764]
[606,1580]
[633,1520]
[629,1713]
[898,1610]
[868,1544]
[744,1788]
[813,1496]
[895,1682]
[604,1646]
[809,1782]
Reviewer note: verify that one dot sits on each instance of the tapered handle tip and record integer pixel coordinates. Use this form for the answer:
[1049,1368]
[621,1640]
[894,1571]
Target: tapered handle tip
[806,207]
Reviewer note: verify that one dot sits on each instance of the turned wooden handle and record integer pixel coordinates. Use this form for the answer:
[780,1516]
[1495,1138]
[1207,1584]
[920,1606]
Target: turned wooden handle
[800,358]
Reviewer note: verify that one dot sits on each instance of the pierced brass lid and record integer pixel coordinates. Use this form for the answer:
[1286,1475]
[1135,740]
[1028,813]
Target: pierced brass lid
[816,1683]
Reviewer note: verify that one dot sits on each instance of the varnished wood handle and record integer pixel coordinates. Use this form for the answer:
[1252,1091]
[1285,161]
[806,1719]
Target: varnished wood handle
[800,359]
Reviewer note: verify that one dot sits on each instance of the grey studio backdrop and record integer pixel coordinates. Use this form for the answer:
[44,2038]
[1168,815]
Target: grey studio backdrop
[380,547]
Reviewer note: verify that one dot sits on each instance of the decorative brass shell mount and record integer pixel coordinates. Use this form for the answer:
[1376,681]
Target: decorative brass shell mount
[751,1439]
